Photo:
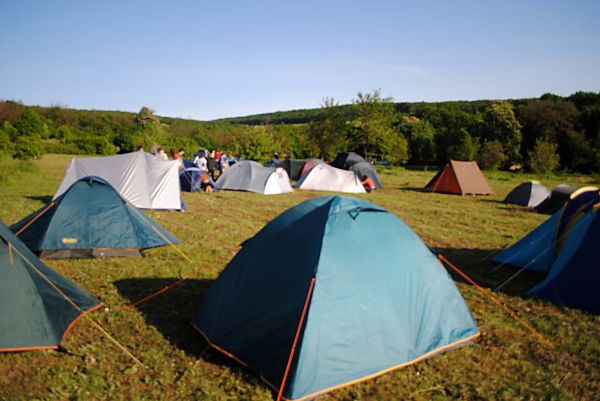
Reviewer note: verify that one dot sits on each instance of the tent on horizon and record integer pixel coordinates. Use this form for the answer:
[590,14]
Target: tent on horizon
[369,286]
[90,220]
[565,248]
[460,178]
[143,180]
[250,176]
[323,177]
[529,194]
[35,315]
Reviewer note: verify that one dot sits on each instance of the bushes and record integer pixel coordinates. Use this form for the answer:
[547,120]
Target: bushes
[544,158]
[491,155]
[28,147]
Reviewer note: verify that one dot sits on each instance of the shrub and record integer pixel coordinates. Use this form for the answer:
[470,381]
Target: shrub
[491,155]
[28,147]
[544,158]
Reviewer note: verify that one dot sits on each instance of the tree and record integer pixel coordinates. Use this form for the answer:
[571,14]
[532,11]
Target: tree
[420,135]
[372,132]
[28,147]
[462,147]
[491,155]
[254,143]
[544,158]
[500,123]
[31,123]
[329,132]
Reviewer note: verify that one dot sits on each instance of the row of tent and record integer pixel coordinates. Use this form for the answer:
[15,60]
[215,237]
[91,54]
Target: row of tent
[566,248]
[342,175]
[534,195]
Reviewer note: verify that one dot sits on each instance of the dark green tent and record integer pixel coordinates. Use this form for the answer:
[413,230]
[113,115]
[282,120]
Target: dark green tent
[37,305]
[90,220]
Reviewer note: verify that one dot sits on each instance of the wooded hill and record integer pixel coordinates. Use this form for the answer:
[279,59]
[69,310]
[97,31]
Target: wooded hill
[544,134]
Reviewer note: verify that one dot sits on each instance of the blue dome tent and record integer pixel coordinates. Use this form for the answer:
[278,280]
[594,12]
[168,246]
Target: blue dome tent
[355,286]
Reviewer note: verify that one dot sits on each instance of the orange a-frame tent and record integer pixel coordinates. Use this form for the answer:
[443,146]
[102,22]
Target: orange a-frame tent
[460,178]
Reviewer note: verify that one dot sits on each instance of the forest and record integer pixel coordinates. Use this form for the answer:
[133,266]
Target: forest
[542,135]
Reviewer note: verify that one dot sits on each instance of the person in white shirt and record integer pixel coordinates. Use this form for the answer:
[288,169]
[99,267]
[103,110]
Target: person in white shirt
[161,153]
[201,161]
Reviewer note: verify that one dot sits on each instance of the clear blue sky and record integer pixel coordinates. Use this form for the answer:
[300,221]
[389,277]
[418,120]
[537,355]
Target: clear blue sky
[212,59]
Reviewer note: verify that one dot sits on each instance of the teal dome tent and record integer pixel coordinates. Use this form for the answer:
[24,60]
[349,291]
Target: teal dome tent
[375,299]
[90,219]
[39,306]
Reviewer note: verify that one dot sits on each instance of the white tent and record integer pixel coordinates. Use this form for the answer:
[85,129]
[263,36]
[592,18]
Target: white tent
[250,176]
[142,179]
[324,177]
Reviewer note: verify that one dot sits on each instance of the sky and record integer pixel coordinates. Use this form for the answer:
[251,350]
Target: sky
[214,59]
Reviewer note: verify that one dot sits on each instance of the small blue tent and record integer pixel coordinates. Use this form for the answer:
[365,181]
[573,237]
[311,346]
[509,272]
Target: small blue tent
[377,298]
[90,219]
[565,247]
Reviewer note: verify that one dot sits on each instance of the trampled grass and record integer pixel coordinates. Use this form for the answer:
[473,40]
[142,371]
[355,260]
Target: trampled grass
[506,363]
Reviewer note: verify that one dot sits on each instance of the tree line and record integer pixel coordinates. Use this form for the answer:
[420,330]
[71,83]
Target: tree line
[541,135]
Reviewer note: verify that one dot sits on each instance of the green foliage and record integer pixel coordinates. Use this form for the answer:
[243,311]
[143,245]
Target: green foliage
[56,147]
[254,143]
[491,155]
[544,158]
[31,123]
[6,141]
[28,147]
[420,135]
[329,132]
[371,128]
[462,147]
[500,123]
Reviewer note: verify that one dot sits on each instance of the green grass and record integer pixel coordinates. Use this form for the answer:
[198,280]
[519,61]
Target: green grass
[506,363]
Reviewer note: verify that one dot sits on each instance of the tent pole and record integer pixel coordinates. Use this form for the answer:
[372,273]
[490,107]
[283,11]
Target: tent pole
[495,300]
[34,219]
[77,308]
[289,362]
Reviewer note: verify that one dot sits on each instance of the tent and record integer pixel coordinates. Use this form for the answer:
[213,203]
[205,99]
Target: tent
[460,178]
[39,306]
[356,163]
[376,298]
[90,219]
[308,165]
[347,159]
[293,167]
[565,248]
[191,179]
[323,177]
[530,194]
[559,195]
[250,176]
[362,169]
[142,179]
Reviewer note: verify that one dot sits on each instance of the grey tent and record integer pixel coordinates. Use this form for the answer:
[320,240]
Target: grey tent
[362,169]
[251,176]
[346,160]
[293,167]
[530,194]
[559,195]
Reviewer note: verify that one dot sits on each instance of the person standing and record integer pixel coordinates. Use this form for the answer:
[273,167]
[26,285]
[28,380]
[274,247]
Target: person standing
[161,153]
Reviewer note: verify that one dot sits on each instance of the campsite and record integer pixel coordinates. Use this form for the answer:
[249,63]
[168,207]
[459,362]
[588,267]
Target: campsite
[505,362]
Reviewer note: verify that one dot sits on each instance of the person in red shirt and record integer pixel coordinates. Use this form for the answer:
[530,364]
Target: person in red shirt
[368,183]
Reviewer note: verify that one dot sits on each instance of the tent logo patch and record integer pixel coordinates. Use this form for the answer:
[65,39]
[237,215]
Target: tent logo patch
[69,240]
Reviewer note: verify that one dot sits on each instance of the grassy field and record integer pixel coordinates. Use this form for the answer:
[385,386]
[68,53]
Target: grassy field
[506,363]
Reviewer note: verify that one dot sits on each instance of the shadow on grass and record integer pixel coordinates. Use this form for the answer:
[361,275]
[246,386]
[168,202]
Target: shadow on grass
[414,189]
[170,312]
[44,199]
[476,264]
